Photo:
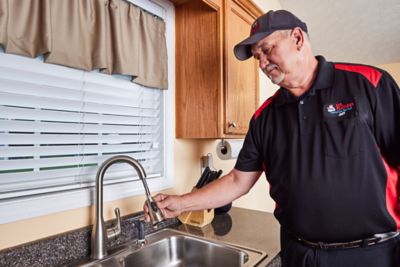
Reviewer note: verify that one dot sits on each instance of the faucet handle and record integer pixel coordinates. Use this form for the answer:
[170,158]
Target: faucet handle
[140,224]
[114,231]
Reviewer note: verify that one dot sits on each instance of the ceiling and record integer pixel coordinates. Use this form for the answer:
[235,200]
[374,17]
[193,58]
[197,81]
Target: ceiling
[360,31]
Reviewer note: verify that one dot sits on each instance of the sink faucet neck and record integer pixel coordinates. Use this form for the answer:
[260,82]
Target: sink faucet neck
[99,234]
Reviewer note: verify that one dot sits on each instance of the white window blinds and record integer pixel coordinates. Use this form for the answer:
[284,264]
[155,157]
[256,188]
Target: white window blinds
[58,124]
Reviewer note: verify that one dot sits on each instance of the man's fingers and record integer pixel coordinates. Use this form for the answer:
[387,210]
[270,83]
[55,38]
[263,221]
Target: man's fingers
[168,205]
[145,208]
[146,212]
[159,197]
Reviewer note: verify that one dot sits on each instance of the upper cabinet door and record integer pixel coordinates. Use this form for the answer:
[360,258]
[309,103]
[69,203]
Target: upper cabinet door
[242,77]
[216,94]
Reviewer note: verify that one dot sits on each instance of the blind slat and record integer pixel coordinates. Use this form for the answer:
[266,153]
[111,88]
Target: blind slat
[20,64]
[34,151]
[41,82]
[53,127]
[54,139]
[85,173]
[64,116]
[74,105]
[28,84]
[64,162]
[40,186]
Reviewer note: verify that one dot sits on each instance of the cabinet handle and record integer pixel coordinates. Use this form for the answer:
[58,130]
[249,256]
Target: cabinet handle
[232,125]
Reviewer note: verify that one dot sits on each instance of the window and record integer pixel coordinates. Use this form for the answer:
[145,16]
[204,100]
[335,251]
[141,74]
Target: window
[58,124]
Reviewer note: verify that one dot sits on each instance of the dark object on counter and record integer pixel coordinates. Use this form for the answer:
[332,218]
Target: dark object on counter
[222,224]
[223,209]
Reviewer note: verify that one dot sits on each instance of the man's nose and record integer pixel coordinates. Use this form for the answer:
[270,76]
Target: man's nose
[263,62]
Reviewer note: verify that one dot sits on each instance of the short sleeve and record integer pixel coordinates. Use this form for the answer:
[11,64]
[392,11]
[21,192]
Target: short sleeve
[250,158]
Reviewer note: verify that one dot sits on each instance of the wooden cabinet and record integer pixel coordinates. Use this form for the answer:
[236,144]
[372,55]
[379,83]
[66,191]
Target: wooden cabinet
[241,77]
[216,94]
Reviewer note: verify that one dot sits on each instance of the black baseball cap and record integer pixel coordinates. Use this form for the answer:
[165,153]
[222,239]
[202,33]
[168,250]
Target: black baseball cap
[264,26]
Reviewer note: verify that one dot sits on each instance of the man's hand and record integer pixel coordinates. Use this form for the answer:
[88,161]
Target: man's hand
[215,194]
[170,206]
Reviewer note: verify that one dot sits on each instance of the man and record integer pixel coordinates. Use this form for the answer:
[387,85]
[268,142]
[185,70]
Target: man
[329,144]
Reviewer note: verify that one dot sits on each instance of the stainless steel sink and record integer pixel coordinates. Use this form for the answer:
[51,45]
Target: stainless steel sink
[170,248]
[186,251]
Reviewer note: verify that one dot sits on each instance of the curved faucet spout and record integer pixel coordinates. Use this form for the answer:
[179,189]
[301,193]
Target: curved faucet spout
[99,236]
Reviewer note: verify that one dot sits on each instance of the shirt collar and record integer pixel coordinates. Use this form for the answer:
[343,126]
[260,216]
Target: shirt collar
[324,79]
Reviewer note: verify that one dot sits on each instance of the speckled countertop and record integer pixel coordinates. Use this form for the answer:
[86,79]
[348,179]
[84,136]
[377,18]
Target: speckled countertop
[243,227]
[69,247]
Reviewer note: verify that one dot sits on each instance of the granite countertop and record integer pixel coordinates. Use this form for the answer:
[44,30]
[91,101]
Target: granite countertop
[243,227]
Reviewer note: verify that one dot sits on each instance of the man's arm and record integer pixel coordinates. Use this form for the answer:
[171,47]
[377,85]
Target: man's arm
[387,119]
[216,194]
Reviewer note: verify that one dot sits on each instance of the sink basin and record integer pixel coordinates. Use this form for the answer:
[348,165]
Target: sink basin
[170,248]
[186,251]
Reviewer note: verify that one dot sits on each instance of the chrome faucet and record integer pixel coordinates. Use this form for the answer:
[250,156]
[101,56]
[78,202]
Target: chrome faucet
[100,235]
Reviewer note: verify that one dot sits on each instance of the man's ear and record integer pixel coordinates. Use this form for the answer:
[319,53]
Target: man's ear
[298,37]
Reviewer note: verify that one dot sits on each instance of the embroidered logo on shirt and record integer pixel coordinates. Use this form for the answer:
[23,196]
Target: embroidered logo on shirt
[339,109]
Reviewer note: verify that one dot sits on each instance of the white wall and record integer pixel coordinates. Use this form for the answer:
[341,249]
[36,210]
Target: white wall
[393,69]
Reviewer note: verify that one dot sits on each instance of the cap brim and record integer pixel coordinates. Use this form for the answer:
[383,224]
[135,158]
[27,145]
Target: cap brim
[242,50]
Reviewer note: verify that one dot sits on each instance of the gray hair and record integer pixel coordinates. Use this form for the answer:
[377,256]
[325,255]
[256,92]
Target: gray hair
[286,33]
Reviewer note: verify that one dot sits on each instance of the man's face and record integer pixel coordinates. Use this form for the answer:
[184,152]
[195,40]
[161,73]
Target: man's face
[273,54]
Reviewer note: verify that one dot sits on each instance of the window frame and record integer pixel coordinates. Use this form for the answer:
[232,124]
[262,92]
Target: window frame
[38,205]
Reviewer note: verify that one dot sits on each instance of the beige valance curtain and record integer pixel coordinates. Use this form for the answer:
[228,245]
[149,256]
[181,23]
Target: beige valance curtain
[111,35]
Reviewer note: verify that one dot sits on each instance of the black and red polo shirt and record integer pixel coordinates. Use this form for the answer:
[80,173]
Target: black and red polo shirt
[332,156]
